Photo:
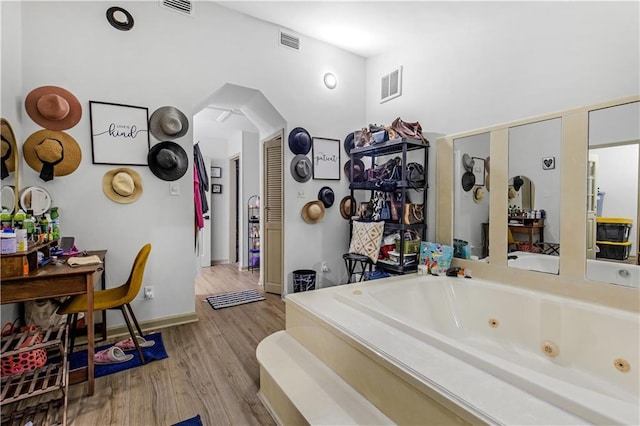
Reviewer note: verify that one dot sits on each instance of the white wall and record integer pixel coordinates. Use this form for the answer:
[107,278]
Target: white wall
[546,57]
[169,59]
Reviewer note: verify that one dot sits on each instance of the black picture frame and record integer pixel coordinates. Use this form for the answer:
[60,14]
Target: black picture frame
[325,156]
[478,170]
[119,134]
[216,172]
[216,188]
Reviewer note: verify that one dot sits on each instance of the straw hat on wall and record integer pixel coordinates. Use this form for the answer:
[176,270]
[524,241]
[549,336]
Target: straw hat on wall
[122,185]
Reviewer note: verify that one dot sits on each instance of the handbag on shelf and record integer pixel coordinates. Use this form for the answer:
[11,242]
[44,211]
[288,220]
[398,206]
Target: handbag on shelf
[413,213]
[377,204]
[395,206]
[409,130]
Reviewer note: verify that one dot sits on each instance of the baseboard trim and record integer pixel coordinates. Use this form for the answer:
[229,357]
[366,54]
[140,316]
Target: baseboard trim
[219,262]
[156,324]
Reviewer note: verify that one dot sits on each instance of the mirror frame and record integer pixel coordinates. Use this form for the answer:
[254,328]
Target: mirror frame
[16,164]
[31,188]
[572,280]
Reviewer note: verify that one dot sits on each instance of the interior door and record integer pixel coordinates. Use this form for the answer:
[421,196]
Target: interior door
[273,204]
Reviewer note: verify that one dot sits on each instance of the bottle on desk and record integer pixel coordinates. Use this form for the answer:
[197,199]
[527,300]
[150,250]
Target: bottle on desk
[25,266]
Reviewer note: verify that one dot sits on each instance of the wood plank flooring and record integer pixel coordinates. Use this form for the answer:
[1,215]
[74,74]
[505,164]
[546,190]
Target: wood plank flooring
[211,370]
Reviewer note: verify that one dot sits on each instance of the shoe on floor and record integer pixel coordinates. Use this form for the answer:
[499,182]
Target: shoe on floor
[112,355]
[128,345]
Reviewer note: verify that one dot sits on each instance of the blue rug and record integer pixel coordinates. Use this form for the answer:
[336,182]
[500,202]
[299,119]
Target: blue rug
[194,421]
[155,352]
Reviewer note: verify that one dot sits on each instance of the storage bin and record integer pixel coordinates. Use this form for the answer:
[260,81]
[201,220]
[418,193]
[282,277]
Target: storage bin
[613,229]
[613,250]
[410,246]
[304,280]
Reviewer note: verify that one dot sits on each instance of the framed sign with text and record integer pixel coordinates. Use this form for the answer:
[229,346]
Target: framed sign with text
[119,134]
[326,158]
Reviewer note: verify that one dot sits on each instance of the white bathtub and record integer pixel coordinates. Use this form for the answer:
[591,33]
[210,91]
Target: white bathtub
[535,262]
[502,330]
[613,272]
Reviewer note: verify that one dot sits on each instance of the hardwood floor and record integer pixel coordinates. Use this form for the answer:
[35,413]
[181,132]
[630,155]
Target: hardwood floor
[211,370]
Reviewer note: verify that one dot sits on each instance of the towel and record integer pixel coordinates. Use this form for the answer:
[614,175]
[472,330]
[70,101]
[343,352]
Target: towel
[83,261]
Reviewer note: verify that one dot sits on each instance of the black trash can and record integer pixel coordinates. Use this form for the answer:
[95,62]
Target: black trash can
[304,280]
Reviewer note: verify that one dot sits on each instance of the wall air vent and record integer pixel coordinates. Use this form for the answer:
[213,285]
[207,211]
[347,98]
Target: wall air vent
[391,85]
[181,6]
[289,40]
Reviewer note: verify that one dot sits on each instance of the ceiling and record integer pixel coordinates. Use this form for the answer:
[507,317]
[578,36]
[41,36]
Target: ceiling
[365,28]
[371,28]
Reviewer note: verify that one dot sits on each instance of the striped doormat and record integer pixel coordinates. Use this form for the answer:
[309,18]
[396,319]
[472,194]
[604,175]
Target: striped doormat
[226,300]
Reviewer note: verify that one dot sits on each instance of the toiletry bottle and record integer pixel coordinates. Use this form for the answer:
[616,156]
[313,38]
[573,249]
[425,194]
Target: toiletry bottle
[49,227]
[5,219]
[18,219]
[29,224]
[55,219]
[44,229]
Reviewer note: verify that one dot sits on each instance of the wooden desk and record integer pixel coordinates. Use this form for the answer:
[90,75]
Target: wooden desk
[60,281]
[530,228]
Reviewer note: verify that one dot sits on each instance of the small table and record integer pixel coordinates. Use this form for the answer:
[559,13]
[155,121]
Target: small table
[52,281]
[529,228]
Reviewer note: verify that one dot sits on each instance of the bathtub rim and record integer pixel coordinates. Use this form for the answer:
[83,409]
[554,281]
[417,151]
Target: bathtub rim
[525,378]
[344,323]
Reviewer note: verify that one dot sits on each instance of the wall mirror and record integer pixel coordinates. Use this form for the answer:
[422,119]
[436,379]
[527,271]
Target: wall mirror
[612,195]
[471,196]
[533,228]
[8,198]
[35,198]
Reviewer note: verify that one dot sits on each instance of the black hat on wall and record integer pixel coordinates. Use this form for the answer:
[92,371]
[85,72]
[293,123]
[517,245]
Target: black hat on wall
[168,161]
[299,141]
[327,196]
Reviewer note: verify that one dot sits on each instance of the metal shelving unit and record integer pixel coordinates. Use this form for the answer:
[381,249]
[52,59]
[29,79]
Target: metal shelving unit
[253,232]
[394,147]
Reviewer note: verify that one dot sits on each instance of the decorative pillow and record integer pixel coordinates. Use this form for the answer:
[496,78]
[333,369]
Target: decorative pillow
[366,239]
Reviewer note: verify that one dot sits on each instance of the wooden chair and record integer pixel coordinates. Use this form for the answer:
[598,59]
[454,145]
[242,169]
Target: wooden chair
[112,298]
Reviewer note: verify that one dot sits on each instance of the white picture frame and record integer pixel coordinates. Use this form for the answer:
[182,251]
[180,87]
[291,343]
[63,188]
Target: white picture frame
[325,154]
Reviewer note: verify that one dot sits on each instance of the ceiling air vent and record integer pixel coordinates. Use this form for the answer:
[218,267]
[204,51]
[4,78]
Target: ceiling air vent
[182,6]
[391,85]
[289,40]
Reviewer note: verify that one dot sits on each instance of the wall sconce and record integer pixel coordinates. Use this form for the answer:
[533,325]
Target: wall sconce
[330,81]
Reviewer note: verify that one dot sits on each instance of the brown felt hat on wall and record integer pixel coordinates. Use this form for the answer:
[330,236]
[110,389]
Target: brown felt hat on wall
[122,185]
[52,153]
[345,207]
[53,107]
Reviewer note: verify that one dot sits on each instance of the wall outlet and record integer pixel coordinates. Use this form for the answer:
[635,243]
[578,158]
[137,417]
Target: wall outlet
[148,292]
[325,268]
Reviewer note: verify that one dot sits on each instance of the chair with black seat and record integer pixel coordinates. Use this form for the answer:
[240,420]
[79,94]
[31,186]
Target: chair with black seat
[112,298]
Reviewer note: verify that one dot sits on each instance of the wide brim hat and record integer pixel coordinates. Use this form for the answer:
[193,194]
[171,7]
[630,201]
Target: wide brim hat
[349,143]
[345,207]
[478,194]
[122,185]
[327,196]
[517,183]
[9,146]
[511,193]
[487,182]
[168,122]
[53,107]
[313,211]
[301,168]
[299,141]
[44,146]
[467,162]
[168,160]
[468,181]
[119,18]
[487,164]
[358,170]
